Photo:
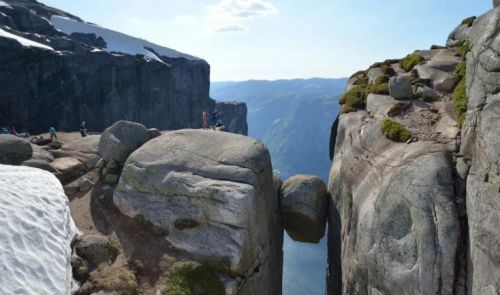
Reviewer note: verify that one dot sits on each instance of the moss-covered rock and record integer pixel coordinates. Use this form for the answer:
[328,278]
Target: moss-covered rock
[395,131]
[192,278]
[97,249]
[354,99]
[464,49]
[460,101]
[381,88]
[410,61]
[121,280]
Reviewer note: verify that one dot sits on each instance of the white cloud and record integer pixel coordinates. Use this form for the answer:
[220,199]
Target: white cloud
[234,15]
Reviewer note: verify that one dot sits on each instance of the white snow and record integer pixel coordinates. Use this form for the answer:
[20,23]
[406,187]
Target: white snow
[116,41]
[36,231]
[5,4]
[24,41]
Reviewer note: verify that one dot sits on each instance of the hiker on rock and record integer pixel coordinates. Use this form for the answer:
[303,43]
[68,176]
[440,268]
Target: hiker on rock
[219,120]
[83,129]
[213,119]
[52,132]
[13,131]
[205,119]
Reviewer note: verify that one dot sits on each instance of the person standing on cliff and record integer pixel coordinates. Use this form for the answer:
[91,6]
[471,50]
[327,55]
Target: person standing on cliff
[205,119]
[213,119]
[83,129]
[52,132]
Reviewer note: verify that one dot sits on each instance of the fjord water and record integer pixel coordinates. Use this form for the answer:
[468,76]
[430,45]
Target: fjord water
[293,118]
[304,267]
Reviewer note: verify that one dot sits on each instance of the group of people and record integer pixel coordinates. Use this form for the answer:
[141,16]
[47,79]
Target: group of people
[212,121]
[40,140]
[14,132]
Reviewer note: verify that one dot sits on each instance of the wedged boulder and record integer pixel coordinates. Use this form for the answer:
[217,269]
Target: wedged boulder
[400,88]
[85,149]
[212,195]
[13,150]
[36,232]
[119,140]
[304,205]
[40,164]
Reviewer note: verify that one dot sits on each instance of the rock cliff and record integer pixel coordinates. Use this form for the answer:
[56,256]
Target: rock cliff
[414,181]
[58,70]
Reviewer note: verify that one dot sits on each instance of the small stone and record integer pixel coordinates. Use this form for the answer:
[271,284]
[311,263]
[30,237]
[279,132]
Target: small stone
[400,88]
[111,178]
[85,185]
[96,249]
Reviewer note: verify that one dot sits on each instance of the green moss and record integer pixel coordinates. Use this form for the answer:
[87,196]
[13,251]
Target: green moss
[121,280]
[468,21]
[361,80]
[381,80]
[464,49]
[382,88]
[395,131]
[353,99]
[387,70]
[114,249]
[149,226]
[460,102]
[460,71]
[411,61]
[191,278]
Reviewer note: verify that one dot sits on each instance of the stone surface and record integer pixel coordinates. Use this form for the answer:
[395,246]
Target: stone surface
[69,168]
[213,193]
[120,139]
[400,88]
[481,150]
[232,114]
[85,185]
[304,206]
[85,149]
[393,214]
[40,164]
[153,133]
[41,154]
[441,80]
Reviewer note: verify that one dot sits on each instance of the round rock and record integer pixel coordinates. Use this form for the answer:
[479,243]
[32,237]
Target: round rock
[400,88]
[304,205]
[13,150]
[96,249]
[121,139]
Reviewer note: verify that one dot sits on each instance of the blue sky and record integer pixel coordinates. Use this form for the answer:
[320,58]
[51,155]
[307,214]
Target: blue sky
[282,39]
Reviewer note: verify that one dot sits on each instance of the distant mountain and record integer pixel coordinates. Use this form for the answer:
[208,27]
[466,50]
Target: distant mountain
[293,117]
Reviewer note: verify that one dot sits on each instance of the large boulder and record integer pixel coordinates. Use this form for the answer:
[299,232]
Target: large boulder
[122,138]
[480,151]
[36,233]
[211,194]
[392,211]
[400,88]
[13,150]
[304,206]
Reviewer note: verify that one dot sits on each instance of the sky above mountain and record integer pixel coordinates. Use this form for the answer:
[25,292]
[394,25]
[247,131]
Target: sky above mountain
[280,39]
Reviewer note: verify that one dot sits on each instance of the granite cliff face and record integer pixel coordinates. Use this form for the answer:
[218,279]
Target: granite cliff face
[58,70]
[414,182]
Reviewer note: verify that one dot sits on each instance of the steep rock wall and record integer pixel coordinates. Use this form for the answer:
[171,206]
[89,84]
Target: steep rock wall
[64,79]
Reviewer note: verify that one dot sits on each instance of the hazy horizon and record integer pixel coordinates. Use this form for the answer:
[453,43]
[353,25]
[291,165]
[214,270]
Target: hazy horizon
[278,39]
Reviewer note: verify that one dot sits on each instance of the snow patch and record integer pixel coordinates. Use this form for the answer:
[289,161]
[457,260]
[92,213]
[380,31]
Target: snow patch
[3,4]
[116,41]
[23,41]
[36,231]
